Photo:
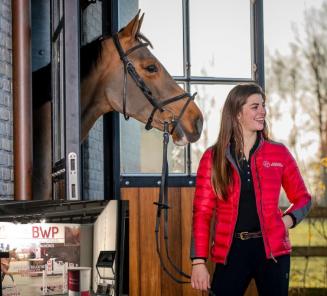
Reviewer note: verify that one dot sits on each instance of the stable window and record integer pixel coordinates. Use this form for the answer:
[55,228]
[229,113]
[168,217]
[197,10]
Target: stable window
[208,47]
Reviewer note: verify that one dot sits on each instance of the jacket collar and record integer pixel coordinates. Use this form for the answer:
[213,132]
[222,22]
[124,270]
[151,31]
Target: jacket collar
[256,146]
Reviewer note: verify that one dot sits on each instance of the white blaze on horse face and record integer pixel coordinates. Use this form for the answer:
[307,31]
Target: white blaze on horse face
[182,141]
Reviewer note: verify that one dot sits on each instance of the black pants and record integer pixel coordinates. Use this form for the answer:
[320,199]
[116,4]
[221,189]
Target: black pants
[247,260]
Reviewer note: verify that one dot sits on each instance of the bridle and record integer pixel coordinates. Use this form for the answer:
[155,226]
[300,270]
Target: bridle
[162,203]
[157,104]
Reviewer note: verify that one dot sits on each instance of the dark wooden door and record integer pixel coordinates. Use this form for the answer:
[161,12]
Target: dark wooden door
[66,99]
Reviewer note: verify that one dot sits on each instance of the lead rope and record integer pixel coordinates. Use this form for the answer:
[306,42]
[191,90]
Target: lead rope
[162,204]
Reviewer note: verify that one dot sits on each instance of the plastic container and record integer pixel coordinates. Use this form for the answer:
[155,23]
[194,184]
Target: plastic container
[79,279]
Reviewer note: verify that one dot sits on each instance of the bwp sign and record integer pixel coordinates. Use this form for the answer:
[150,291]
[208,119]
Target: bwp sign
[42,232]
[39,257]
[49,233]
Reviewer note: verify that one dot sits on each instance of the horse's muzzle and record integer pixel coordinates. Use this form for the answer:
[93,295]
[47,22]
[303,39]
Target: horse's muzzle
[182,136]
[199,126]
[195,134]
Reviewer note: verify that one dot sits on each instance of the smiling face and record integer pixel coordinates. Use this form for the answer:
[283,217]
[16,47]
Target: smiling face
[252,116]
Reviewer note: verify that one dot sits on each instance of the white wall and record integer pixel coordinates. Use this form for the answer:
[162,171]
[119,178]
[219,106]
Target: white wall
[104,235]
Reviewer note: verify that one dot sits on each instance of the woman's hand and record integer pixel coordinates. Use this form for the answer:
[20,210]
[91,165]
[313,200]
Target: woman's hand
[288,221]
[200,278]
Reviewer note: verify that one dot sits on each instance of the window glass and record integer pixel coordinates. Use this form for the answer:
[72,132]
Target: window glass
[210,99]
[220,38]
[163,25]
[58,89]
[141,150]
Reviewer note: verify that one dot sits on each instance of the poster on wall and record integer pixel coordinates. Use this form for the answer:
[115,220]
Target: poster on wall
[40,255]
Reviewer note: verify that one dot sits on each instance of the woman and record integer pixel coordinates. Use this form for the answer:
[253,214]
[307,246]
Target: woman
[239,178]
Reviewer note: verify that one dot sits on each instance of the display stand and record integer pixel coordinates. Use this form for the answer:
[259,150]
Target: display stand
[106,260]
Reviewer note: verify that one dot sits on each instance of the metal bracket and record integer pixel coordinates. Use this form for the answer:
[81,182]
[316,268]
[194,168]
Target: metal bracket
[254,68]
[72,165]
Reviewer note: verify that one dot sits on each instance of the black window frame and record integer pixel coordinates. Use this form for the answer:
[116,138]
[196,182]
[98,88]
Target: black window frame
[114,180]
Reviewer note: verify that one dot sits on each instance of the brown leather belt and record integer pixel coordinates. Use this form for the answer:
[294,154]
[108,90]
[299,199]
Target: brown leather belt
[247,235]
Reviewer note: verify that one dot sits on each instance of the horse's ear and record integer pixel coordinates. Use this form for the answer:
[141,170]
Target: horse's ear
[132,28]
[140,23]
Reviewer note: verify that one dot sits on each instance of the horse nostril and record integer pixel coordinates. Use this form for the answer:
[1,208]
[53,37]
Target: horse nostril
[199,125]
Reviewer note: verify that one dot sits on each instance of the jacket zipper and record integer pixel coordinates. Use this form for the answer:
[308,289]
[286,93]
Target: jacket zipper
[265,240]
[239,196]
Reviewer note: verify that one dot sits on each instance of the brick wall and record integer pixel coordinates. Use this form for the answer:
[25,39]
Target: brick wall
[93,145]
[6,118]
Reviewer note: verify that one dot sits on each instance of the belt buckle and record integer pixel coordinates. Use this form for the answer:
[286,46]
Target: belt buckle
[244,235]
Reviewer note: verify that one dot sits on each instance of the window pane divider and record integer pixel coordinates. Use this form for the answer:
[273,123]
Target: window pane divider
[211,80]
[154,180]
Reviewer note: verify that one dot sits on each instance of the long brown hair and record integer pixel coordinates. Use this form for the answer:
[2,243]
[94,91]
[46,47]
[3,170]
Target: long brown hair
[230,130]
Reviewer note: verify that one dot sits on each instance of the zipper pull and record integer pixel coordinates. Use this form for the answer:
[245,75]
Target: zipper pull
[272,257]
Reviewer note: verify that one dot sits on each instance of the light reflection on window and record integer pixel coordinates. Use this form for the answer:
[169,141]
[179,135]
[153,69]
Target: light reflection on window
[210,99]
[163,25]
[220,38]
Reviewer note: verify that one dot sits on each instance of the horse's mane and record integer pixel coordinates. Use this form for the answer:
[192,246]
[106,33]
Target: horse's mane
[89,55]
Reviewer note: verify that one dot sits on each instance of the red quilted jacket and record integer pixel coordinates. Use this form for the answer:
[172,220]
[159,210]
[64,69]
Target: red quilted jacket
[272,166]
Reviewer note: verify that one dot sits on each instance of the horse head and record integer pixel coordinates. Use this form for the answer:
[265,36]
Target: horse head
[114,85]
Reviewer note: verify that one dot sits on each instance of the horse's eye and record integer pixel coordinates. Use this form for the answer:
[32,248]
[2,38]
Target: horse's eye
[152,68]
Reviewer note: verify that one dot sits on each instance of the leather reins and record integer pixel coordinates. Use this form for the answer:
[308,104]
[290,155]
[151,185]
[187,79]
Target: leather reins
[162,205]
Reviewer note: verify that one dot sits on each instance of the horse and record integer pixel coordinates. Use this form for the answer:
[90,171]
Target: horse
[5,265]
[152,98]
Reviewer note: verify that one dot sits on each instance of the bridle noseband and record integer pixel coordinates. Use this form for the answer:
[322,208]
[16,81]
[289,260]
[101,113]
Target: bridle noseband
[157,104]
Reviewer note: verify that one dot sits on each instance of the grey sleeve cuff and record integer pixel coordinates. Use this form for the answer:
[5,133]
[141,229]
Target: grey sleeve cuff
[293,218]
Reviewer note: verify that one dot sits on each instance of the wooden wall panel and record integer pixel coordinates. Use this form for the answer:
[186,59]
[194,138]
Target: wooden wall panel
[132,195]
[150,273]
[146,275]
[168,286]
[186,223]
[251,290]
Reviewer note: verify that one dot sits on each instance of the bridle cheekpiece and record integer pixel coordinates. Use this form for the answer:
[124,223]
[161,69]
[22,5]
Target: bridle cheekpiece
[157,104]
